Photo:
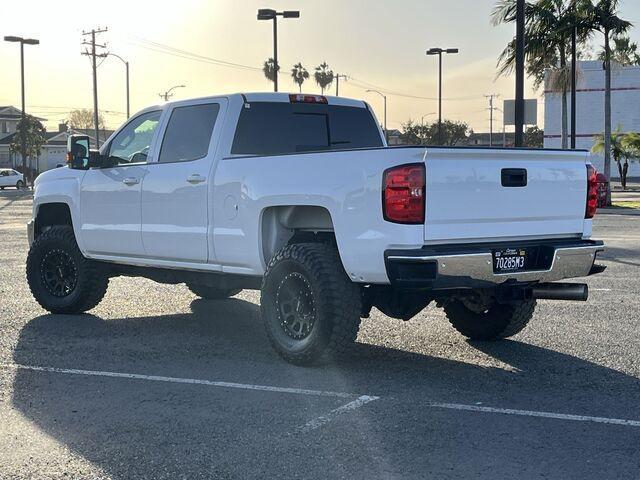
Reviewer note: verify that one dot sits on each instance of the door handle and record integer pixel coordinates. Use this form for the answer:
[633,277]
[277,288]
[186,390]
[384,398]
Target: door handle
[131,181]
[195,179]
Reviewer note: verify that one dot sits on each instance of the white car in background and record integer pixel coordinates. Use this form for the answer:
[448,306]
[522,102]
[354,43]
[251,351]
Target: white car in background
[11,178]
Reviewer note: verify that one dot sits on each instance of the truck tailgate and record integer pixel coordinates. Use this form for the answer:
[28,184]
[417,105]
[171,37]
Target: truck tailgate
[481,195]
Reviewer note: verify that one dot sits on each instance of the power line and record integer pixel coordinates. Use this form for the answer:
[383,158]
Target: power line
[180,53]
[177,52]
[364,85]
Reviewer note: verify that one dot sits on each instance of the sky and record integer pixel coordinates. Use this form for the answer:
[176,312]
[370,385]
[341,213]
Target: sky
[377,43]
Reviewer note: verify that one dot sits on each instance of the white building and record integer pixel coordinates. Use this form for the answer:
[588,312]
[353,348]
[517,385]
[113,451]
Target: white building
[625,108]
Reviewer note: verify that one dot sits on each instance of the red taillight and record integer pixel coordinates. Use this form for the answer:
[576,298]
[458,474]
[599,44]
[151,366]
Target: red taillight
[300,98]
[403,194]
[592,192]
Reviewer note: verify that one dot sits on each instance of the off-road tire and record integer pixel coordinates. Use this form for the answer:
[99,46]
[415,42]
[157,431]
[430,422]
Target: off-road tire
[212,293]
[497,322]
[91,280]
[335,299]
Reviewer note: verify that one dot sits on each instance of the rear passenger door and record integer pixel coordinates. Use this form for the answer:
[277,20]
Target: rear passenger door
[175,191]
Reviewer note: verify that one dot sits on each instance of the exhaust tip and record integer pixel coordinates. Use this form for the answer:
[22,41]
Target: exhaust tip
[577,292]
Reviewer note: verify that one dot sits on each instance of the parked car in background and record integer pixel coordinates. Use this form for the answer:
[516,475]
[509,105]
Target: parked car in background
[11,178]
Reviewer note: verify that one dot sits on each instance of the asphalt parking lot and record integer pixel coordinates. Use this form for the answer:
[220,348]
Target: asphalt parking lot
[156,383]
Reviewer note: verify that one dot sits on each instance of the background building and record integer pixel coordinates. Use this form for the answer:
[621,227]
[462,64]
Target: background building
[625,107]
[54,150]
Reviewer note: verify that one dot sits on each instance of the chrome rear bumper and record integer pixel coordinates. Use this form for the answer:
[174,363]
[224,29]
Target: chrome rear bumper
[471,266]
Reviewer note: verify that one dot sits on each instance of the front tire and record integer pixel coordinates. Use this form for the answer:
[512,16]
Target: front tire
[496,322]
[310,307]
[61,279]
[19,185]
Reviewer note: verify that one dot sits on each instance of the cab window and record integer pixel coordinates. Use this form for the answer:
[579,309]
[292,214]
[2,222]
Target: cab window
[188,133]
[132,143]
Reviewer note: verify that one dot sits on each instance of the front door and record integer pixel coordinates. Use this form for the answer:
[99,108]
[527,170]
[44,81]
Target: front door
[175,188]
[110,198]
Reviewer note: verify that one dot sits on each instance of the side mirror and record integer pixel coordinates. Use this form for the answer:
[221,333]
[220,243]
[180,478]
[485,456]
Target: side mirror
[78,152]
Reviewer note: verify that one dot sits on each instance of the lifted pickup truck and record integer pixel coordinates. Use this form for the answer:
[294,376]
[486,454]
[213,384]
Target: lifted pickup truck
[298,196]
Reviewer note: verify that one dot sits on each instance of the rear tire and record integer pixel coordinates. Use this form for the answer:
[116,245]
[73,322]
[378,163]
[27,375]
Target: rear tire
[212,293]
[61,279]
[310,307]
[497,322]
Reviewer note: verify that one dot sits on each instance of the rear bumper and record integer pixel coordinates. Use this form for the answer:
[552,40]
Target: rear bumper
[471,265]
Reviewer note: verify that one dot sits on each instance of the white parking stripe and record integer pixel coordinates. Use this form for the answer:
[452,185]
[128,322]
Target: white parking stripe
[530,413]
[324,419]
[194,381]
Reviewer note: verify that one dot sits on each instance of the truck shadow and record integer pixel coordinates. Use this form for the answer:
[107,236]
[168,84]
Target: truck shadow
[114,424]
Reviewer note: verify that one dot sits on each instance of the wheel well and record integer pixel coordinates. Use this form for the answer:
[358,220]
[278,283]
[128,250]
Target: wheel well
[285,225]
[51,214]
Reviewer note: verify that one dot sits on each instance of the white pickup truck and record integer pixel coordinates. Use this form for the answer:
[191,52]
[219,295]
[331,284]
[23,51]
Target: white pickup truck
[298,195]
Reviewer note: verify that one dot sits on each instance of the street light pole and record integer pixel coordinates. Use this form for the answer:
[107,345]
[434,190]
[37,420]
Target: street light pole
[574,73]
[269,14]
[23,139]
[386,136]
[167,95]
[520,46]
[439,51]
[424,137]
[275,53]
[126,64]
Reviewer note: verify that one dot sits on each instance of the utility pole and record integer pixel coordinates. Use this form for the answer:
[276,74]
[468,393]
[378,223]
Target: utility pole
[337,77]
[491,110]
[94,55]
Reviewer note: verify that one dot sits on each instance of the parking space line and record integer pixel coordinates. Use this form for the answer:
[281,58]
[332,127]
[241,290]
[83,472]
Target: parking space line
[532,413]
[349,407]
[192,381]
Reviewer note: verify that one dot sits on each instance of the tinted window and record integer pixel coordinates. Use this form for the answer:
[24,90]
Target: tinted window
[267,128]
[131,144]
[188,133]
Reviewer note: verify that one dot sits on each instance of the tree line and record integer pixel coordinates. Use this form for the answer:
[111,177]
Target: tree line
[548,33]
[323,75]
[455,133]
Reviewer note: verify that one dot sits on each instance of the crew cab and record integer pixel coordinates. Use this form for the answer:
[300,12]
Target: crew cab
[299,196]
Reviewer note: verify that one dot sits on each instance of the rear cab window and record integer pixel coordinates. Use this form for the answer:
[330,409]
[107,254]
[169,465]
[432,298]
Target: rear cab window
[272,128]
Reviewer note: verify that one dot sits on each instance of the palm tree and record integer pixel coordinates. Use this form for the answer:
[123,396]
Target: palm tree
[622,148]
[299,74]
[323,76]
[603,17]
[547,45]
[624,52]
[632,142]
[269,69]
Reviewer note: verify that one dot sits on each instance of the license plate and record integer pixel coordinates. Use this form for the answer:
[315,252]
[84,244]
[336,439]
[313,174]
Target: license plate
[509,260]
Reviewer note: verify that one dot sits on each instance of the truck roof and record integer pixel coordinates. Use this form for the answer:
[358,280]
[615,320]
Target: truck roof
[282,97]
